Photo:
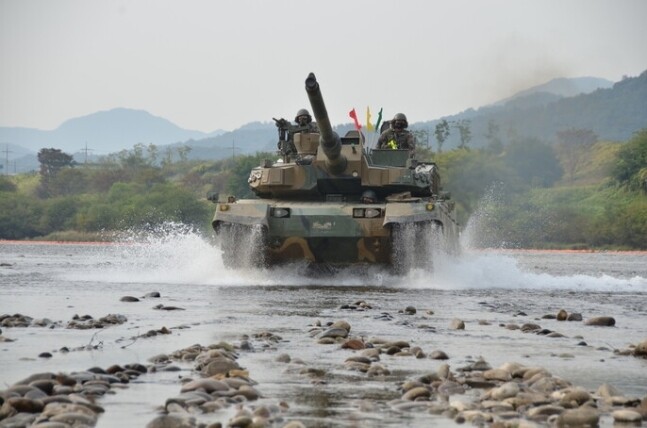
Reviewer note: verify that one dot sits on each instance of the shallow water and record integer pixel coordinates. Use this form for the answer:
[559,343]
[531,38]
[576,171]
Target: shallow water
[57,281]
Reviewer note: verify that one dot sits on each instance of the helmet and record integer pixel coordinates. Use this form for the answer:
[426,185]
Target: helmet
[303,112]
[399,121]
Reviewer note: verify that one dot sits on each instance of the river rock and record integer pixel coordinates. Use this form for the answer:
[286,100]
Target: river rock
[129,299]
[341,324]
[574,317]
[497,374]
[438,355]
[601,321]
[457,324]
[507,390]
[562,315]
[417,393]
[355,344]
[172,421]
[641,349]
[580,417]
[207,385]
[334,332]
[626,415]
[220,366]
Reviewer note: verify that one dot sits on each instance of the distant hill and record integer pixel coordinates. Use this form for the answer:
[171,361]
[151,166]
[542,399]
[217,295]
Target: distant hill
[613,113]
[104,132]
[561,88]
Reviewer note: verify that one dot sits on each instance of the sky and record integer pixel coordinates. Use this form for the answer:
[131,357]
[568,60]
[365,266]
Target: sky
[219,64]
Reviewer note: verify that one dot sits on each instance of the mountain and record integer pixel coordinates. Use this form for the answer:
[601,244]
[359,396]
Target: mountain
[613,113]
[561,88]
[103,132]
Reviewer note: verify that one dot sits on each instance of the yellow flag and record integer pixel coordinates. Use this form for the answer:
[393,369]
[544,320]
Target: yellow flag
[369,125]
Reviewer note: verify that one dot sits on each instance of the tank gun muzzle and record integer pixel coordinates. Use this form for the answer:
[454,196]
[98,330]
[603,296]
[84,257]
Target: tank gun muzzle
[329,141]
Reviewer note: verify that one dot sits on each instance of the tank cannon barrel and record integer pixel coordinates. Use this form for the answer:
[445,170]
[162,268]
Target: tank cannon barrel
[329,142]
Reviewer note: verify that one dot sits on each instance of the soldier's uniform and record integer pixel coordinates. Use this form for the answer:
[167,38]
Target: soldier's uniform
[396,139]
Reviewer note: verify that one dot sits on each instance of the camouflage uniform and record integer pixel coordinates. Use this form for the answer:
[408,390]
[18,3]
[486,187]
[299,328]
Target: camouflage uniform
[396,139]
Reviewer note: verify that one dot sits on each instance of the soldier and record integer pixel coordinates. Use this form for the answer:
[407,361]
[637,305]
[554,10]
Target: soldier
[304,120]
[397,136]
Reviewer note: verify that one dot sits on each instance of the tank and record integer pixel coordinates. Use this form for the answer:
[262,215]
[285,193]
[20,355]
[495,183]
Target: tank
[330,201]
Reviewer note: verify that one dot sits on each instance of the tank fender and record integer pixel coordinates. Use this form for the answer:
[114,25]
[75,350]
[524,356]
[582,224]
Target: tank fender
[396,212]
[245,214]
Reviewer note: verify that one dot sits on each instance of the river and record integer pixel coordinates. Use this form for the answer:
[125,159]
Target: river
[485,288]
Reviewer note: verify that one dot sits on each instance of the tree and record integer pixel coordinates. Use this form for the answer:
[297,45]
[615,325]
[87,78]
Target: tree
[571,144]
[534,162]
[51,162]
[631,166]
[464,132]
[183,152]
[441,132]
[493,137]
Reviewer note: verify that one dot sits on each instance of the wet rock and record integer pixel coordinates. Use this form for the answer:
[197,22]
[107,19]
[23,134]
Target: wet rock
[641,349]
[574,317]
[626,415]
[601,321]
[530,327]
[497,374]
[341,324]
[438,355]
[507,390]
[417,393]
[562,315]
[409,310]
[457,324]
[129,299]
[355,344]
[152,294]
[44,355]
[167,308]
[607,391]
[580,417]
[220,366]
[283,358]
[172,421]
[207,385]
[575,397]
[543,412]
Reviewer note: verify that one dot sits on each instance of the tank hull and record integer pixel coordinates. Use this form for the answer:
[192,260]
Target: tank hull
[332,233]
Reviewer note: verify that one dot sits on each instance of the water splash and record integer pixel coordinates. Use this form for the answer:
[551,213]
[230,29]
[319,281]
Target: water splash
[177,254]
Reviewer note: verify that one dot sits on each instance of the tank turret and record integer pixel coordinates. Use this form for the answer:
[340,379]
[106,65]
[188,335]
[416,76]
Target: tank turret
[329,141]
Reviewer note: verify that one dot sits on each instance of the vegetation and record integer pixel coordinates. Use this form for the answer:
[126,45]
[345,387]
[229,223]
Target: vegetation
[524,192]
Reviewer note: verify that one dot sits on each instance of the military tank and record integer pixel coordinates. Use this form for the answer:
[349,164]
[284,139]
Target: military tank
[331,201]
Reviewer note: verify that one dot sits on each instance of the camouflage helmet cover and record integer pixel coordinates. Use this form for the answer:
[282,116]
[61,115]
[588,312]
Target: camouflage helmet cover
[302,112]
[402,117]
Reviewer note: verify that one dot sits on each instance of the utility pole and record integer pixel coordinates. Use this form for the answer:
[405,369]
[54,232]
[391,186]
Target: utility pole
[86,150]
[6,162]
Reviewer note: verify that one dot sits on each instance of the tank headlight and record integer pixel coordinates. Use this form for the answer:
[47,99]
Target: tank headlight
[367,212]
[430,207]
[372,212]
[224,207]
[280,212]
[355,174]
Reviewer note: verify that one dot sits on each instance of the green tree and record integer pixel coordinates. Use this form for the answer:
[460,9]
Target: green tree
[493,137]
[631,167]
[442,133]
[464,132]
[571,145]
[534,162]
[51,162]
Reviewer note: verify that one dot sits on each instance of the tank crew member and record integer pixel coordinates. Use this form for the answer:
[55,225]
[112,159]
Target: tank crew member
[304,120]
[397,136]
